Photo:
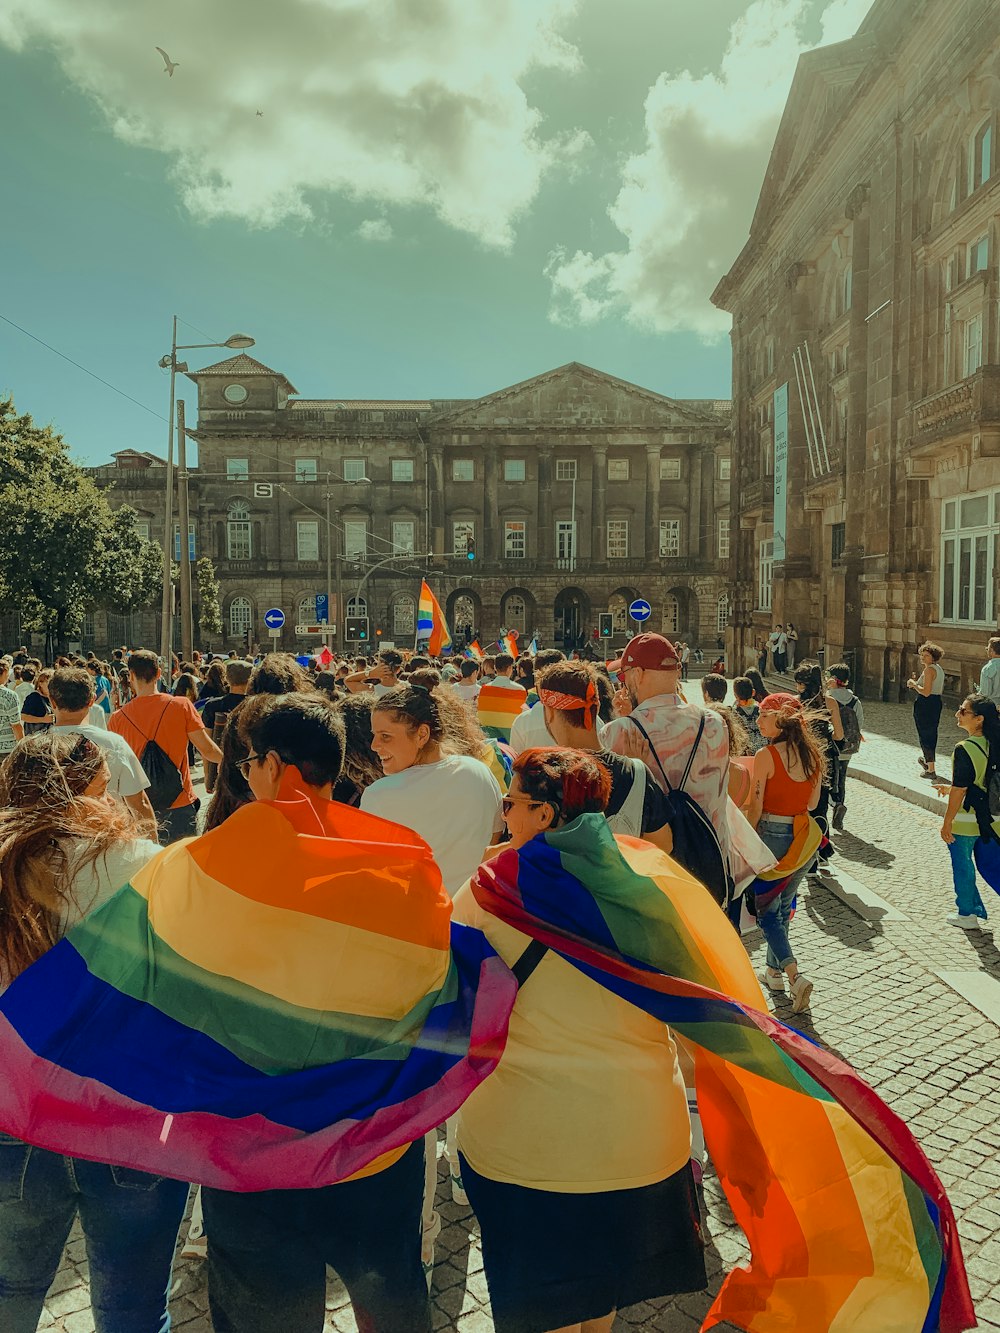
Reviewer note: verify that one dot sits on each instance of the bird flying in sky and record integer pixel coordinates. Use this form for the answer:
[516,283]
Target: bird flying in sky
[169,65]
[260,113]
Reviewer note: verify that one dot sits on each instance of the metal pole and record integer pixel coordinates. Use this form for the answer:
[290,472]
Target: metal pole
[166,637]
[184,520]
[330,613]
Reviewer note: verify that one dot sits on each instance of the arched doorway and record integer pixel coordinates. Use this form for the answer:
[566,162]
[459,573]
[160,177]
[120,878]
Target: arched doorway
[517,611]
[680,608]
[463,613]
[618,604]
[571,619]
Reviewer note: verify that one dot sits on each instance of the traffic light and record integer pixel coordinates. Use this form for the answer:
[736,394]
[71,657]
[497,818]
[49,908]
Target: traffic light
[357,628]
[470,548]
[606,621]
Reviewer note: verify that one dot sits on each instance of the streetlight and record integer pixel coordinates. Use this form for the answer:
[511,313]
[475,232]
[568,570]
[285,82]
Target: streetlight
[236,341]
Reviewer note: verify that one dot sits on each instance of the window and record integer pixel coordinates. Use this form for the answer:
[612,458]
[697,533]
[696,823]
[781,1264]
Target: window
[670,538]
[838,540]
[142,528]
[565,469]
[239,541]
[769,355]
[306,613]
[725,469]
[237,469]
[240,617]
[967,542]
[765,575]
[402,469]
[306,540]
[463,469]
[403,534]
[464,615]
[670,469]
[722,613]
[722,538]
[978,257]
[514,540]
[357,606]
[513,469]
[566,542]
[981,157]
[514,613]
[463,531]
[618,605]
[177,542]
[972,345]
[354,469]
[617,538]
[618,469]
[671,614]
[355,538]
[305,469]
[404,622]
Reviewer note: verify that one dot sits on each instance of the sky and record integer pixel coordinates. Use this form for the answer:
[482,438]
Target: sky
[441,197]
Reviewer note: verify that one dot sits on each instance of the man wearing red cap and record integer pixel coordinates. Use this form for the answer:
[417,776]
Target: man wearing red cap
[649,671]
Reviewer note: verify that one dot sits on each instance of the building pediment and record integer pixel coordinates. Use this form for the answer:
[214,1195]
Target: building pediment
[578,397]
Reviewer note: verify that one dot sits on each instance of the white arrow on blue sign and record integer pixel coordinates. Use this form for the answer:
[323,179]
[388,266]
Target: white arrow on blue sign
[640,610]
[274,619]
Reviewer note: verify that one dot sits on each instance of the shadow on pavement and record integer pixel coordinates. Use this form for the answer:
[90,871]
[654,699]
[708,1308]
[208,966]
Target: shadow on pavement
[854,850]
[989,955]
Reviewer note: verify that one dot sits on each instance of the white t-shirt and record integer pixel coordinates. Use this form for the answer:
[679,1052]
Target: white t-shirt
[454,805]
[529,730]
[467,693]
[23,688]
[127,775]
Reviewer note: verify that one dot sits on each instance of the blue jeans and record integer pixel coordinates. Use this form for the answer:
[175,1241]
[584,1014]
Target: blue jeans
[130,1222]
[963,869]
[774,920]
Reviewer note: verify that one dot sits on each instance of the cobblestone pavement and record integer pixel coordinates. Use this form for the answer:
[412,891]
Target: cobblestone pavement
[880,1001]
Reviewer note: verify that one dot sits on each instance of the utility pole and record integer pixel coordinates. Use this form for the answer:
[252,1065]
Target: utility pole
[184,520]
[166,611]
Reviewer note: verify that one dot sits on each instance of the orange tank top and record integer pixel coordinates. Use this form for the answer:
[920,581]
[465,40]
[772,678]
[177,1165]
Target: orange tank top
[784,795]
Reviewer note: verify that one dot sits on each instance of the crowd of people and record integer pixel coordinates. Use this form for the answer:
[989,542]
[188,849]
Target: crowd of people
[579,1155]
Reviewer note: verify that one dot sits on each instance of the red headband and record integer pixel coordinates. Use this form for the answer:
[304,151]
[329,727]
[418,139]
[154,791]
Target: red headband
[569,703]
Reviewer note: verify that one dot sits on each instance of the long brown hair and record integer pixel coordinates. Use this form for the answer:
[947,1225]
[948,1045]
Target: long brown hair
[45,821]
[796,728]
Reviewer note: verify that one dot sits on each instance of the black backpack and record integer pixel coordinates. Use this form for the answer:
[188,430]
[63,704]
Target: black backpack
[165,781]
[851,743]
[696,843]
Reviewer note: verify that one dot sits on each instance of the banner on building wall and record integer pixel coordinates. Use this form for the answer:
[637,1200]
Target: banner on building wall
[780,470]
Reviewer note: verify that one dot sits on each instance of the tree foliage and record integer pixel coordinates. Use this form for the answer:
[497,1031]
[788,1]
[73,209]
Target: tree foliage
[209,611]
[64,551]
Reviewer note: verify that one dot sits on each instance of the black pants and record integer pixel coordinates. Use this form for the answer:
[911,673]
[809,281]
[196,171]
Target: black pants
[927,717]
[268,1252]
[838,782]
[179,823]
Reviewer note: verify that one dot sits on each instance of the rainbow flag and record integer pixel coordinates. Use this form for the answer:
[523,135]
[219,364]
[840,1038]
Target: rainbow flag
[508,645]
[848,1225]
[275,1005]
[474,652]
[431,624]
[807,838]
[497,707]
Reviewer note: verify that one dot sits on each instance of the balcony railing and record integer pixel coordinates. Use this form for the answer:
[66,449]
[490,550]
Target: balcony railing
[957,408]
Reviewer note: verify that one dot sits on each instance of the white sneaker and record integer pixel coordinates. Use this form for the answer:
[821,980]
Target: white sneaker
[458,1194]
[964,922]
[801,990]
[773,980]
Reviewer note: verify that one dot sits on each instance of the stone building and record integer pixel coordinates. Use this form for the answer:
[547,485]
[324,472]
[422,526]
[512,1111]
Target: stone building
[575,492]
[866,351]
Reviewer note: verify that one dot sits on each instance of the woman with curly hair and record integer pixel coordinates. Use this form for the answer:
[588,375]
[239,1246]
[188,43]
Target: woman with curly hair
[65,849]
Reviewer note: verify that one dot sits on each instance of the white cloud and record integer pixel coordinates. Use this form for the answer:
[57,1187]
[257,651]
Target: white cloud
[376,229]
[686,200]
[391,102]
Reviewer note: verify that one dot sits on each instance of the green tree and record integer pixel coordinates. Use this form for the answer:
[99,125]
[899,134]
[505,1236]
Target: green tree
[64,552]
[209,612]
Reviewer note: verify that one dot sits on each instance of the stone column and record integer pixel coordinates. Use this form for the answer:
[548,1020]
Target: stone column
[491,518]
[599,505]
[651,543]
[545,537]
[437,534]
[693,543]
[856,445]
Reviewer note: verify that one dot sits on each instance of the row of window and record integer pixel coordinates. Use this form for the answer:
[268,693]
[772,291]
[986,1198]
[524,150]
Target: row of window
[464,469]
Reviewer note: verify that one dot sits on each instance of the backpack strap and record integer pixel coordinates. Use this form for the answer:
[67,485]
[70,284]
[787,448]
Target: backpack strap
[652,749]
[159,720]
[694,750]
[528,961]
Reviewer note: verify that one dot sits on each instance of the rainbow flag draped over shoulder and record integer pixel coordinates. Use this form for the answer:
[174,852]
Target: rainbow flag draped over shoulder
[274,1005]
[848,1225]
[807,838]
[431,623]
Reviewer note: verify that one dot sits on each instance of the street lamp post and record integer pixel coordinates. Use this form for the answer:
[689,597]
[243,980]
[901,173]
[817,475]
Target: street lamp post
[236,341]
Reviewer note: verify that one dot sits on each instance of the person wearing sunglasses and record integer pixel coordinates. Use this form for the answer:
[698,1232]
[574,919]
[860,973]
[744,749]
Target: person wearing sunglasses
[968,815]
[575,1152]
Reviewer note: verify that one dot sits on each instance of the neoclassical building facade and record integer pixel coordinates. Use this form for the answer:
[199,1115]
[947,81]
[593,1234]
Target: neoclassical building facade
[866,352]
[575,493]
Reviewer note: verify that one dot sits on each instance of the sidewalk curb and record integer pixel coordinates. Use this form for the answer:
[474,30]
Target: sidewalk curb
[925,800]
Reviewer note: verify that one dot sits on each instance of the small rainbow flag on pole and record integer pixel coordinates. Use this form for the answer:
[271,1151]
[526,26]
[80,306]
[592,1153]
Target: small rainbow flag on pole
[508,644]
[474,651]
[431,623]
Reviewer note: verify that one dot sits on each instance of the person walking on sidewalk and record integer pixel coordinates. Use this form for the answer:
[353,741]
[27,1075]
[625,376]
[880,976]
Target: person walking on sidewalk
[788,775]
[927,704]
[989,677]
[849,717]
[968,815]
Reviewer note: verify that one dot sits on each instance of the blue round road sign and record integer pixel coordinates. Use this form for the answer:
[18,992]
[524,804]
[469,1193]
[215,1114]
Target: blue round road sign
[640,610]
[274,619]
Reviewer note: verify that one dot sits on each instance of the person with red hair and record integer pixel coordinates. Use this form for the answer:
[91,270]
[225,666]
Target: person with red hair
[575,1153]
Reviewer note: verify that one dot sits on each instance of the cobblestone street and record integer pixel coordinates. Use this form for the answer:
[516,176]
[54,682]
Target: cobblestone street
[901,995]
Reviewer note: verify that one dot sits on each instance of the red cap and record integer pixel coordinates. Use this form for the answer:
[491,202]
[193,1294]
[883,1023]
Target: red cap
[652,652]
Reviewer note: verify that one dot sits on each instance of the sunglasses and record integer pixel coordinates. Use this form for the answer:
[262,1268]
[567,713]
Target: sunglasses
[508,802]
[244,764]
